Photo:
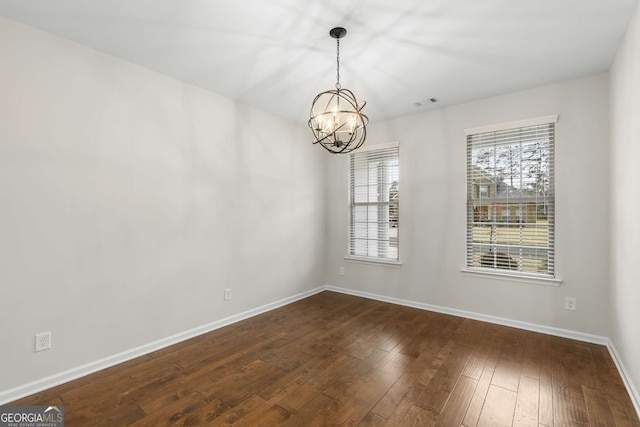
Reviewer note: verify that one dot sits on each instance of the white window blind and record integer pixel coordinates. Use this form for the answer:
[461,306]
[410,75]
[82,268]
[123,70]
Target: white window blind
[374,204]
[510,200]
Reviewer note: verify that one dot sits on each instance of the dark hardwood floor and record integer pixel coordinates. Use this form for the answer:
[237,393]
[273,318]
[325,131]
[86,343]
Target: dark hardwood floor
[335,359]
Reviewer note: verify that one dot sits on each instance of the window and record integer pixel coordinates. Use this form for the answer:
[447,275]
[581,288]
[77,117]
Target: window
[374,203]
[510,197]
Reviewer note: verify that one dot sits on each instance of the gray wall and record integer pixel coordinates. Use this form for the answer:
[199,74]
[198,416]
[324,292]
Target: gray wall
[432,210]
[625,201]
[130,200]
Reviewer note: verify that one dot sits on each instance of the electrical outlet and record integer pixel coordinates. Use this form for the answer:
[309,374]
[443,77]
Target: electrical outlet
[227,294]
[43,341]
[570,304]
[342,271]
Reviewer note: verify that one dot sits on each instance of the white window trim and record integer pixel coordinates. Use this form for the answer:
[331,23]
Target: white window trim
[555,281]
[511,125]
[520,278]
[380,262]
[365,260]
[382,146]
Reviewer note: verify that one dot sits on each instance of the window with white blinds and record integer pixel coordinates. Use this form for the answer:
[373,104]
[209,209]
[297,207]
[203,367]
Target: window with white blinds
[510,198]
[374,204]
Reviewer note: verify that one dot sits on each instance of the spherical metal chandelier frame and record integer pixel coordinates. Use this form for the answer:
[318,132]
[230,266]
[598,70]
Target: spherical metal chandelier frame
[336,117]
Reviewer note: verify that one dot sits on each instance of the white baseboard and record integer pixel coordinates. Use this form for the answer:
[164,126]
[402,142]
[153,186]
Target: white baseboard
[28,389]
[564,333]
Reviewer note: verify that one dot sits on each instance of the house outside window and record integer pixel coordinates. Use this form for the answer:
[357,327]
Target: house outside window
[374,221]
[510,198]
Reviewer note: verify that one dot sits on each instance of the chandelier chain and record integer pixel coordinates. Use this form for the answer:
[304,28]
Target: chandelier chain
[338,64]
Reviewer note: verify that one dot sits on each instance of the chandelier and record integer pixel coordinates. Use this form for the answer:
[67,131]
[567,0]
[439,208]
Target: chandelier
[336,119]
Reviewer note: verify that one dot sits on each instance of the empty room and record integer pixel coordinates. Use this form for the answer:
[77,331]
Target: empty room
[328,213]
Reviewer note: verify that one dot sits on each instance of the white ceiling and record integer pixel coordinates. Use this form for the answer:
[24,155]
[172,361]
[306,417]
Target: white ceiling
[277,55]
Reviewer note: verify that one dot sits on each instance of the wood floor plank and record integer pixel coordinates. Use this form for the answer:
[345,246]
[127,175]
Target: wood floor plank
[458,402]
[509,367]
[531,358]
[407,381]
[492,343]
[597,408]
[406,405]
[545,409]
[422,338]
[174,413]
[443,351]
[319,411]
[565,372]
[343,364]
[419,417]
[472,415]
[569,408]
[527,403]
[151,401]
[293,377]
[438,390]
[372,386]
[106,413]
[475,365]
[238,386]
[546,361]
[373,420]
[220,365]
[235,414]
[272,415]
[507,375]
[207,414]
[336,359]
[297,398]
[498,408]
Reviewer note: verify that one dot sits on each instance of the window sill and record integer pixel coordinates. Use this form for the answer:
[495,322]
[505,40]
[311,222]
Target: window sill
[511,277]
[382,263]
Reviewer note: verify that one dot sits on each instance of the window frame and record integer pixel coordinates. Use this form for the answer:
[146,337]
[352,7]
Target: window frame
[504,273]
[392,262]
